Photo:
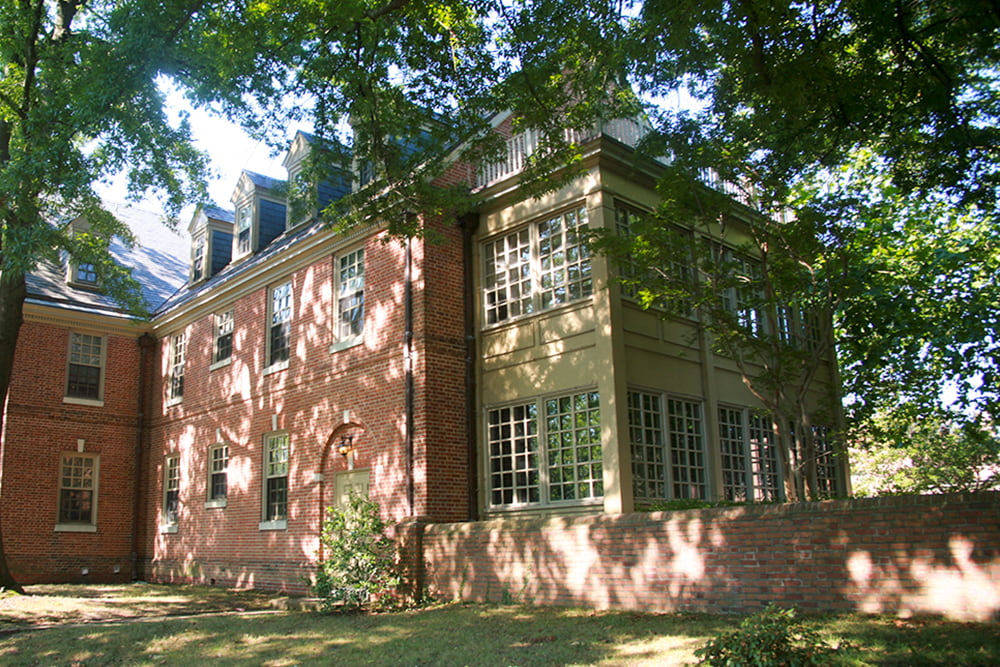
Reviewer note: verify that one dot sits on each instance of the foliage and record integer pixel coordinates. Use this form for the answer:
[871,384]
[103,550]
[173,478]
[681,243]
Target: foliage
[773,637]
[936,455]
[357,567]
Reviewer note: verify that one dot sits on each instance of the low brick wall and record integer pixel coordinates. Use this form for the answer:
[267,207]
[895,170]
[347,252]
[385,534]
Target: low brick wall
[898,555]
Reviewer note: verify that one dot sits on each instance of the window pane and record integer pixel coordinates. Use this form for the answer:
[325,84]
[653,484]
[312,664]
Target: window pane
[513,448]
[84,372]
[77,489]
[687,449]
[575,470]
[507,277]
[351,294]
[280,323]
[733,449]
[649,470]
[564,259]
[223,336]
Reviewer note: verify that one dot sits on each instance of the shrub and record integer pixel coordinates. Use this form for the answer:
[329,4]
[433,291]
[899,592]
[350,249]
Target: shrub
[773,637]
[359,564]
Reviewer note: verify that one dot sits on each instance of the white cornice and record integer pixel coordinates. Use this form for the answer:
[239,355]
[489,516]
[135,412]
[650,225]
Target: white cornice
[76,317]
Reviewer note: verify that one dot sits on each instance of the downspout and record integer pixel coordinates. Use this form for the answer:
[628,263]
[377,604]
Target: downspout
[146,343]
[468,224]
[408,372]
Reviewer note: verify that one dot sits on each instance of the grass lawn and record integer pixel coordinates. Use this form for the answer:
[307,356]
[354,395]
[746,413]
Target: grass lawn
[181,625]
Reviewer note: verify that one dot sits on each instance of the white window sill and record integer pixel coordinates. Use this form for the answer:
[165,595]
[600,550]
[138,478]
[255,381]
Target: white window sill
[275,368]
[93,402]
[279,524]
[221,364]
[215,504]
[346,344]
[75,528]
[168,528]
[174,401]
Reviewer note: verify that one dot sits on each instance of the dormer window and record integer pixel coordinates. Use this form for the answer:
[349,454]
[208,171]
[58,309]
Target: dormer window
[85,274]
[244,229]
[260,213]
[198,259]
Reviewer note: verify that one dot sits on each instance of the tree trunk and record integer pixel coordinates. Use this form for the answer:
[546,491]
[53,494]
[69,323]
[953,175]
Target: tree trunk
[12,293]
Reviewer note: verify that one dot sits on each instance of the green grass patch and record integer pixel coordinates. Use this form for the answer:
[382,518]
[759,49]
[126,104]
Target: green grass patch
[460,634]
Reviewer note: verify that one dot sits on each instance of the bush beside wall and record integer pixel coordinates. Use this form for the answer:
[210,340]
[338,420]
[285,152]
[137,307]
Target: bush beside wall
[899,555]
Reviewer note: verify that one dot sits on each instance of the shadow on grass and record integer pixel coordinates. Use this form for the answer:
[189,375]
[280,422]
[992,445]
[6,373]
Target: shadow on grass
[451,635]
[474,635]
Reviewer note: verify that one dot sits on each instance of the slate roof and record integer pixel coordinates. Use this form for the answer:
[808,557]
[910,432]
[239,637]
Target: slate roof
[159,263]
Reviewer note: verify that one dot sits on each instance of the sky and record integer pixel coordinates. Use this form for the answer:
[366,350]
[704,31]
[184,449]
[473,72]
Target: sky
[230,150]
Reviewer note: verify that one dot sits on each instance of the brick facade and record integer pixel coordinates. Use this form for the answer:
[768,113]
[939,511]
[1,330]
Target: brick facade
[39,429]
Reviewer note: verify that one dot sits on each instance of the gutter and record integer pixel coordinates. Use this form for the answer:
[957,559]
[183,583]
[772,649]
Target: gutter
[408,372]
[468,223]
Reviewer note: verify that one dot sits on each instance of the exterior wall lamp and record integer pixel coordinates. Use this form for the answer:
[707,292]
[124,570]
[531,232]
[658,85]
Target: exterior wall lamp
[346,445]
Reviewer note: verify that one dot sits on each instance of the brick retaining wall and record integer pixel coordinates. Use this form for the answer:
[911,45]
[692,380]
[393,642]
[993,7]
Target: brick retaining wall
[898,555]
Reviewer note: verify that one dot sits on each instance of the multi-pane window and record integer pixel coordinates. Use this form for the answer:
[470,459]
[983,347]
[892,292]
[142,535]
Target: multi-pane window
[539,267]
[649,462]
[171,490]
[677,276]
[687,448]
[826,463]
[244,224]
[223,337]
[280,323]
[86,273]
[85,364]
[733,447]
[276,448]
[764,459]
[218,471]
[668,447]
[178,355]
[573,444]
[351,295]
[514,458]
[749,456]
[77,488]
[564,260]
[570,465]
[508,277]
[198,259]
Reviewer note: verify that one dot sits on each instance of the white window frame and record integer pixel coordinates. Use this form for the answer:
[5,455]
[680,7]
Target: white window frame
[169,520]
[244,224]
[537,267]
[217,467]
[675,426]
[750,470]
[178,364]
[625,215]
[84,274]
[827,469]
[223,325]
[277,451]
[537,449]
[349,299]
[74,478]
[83,355]
[280,314]
[199,251]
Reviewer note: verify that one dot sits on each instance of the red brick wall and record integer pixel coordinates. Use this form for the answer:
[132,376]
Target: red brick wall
[310,399]
[39,428]
[899,555]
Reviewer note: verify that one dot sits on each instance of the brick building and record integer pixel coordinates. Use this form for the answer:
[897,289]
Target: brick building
[496,372]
